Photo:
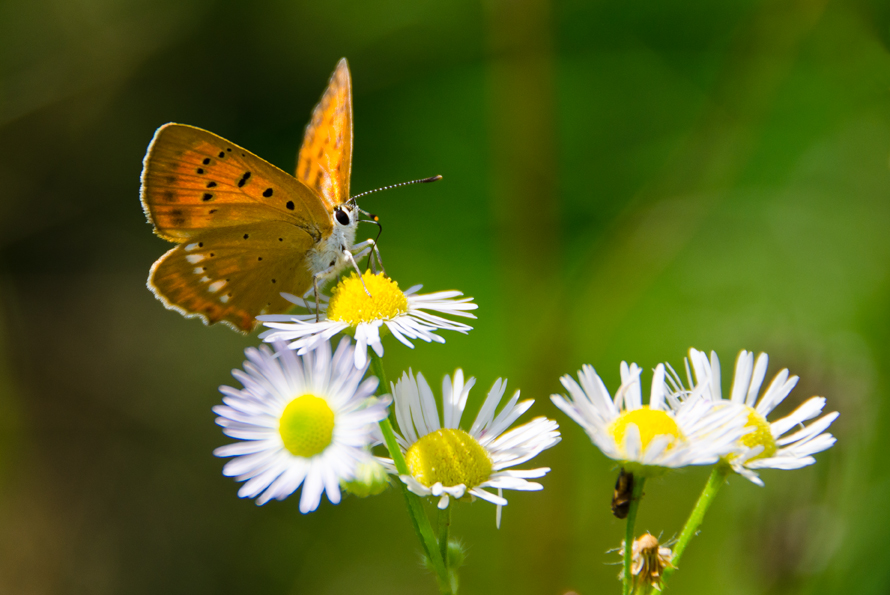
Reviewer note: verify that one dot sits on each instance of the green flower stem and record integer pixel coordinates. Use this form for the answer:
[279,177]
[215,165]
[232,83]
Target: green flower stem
[415,506]
[377,369]
[636,496]
[444,524]
[715,482]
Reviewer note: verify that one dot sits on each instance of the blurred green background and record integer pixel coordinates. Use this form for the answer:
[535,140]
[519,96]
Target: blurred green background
[623,180]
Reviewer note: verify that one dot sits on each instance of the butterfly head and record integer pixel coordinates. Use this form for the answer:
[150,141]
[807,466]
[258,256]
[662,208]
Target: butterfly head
[346,215]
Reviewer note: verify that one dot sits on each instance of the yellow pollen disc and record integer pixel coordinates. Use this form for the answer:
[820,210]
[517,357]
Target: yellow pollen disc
[650,422]
[352,305]
[761,436]
[306,426]
[450,457]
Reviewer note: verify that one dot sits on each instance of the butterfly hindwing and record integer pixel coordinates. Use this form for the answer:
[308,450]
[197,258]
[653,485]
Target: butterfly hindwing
[194,180]
[325,158]
[235,273]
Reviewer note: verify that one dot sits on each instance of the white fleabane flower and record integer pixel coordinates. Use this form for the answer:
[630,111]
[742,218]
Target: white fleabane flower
[447,462]
[648,439]
[405,314]
[766,444]
[299,420]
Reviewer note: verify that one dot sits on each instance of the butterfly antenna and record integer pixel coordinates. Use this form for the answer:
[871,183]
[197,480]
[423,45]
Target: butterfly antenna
[423,181]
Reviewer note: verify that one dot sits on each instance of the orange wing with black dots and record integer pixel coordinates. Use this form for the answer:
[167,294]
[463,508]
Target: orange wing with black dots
[194,180]
[232,274]
[325,158]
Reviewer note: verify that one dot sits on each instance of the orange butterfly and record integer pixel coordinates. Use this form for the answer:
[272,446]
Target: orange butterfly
[246,230]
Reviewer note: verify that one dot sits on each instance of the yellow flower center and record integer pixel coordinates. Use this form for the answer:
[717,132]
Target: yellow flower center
[450,457]
[306,426]
[761,436]
[650,422]
[352,305]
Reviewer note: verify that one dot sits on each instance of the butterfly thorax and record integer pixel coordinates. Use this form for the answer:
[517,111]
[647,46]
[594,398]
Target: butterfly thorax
[329,256]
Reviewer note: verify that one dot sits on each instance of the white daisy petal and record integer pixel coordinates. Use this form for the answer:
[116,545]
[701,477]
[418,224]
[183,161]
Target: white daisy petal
[810,409]
[785,463]
[757,379]
[427,405]
[810,431]
[513,483]
[657,395]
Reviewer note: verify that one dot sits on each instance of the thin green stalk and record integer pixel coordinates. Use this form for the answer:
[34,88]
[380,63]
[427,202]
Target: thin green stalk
[715,482]
[635,498]
[419,519]
[380,373]
[444,524]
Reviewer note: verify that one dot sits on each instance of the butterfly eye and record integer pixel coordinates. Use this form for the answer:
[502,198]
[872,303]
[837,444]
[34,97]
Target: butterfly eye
[342,216]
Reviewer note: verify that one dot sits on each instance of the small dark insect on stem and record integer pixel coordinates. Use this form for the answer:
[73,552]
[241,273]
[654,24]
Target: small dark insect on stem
[621,497]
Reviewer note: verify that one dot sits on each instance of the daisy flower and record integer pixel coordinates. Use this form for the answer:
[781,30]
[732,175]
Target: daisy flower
[766,445]
[298,420]
[405,314]
[648,439]
[447,462]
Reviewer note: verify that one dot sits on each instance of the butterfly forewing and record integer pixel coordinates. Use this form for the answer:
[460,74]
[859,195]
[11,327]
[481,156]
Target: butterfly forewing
[235,273]
[245,228]
[194,180]
[325,157]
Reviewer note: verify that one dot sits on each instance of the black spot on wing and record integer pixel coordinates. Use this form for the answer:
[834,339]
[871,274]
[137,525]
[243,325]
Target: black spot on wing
[290,205]
[267,192]
[178,218]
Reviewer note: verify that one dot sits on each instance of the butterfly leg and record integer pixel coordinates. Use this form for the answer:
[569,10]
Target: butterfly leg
[315,286]
[322,275]
[369,248]
[375,251]
[349,257]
